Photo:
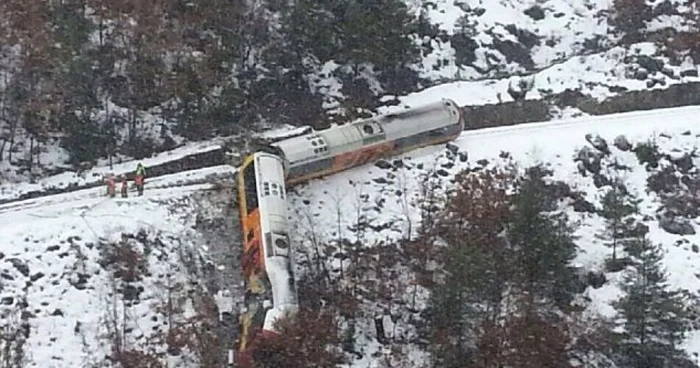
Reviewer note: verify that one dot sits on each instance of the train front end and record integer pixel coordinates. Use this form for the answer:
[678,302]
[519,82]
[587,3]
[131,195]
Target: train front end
[267,260]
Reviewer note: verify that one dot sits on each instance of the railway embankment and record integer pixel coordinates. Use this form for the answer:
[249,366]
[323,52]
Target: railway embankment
[193,161]
[530,111]
[477,117]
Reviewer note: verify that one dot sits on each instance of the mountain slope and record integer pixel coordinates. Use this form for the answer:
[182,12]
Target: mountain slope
[327,212]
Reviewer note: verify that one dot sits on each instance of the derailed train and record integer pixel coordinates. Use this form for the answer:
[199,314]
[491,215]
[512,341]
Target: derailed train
[267,259]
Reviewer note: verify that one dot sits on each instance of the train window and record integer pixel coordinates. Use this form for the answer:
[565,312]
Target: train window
[368,129]
[251,188]
[281,243]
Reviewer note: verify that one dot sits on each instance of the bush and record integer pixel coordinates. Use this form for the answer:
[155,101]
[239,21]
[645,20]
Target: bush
[648,153]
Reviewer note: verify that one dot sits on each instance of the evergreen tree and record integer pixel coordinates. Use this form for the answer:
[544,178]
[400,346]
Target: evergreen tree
[654,317]
[542,240]
[618,206]
[455,310]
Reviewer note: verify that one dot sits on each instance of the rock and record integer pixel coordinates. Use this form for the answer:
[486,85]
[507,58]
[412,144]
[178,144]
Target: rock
[581,168]
[53,248]
[483,162]
[452,148]
[7,300]
[383,164]
[622,143]
[398,163]
[463,156]
[641,74]
[20,266]
[695,248]
[57,312]
[380,180]
[689,73]
[664,181]
[684,162]
[676,225]
[590,159]
[535,12]
[650,64]
[668,71]
[600,180]
[596,279]
[443,172]
[598,142]
[36,276]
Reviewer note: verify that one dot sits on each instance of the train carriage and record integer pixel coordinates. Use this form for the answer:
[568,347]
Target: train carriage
[338,148]
[266,261]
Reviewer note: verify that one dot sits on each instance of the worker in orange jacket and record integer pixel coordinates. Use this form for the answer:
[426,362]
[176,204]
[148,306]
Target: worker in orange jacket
[110,185]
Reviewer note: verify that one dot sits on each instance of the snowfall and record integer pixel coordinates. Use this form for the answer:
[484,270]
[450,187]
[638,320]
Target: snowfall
[50,271]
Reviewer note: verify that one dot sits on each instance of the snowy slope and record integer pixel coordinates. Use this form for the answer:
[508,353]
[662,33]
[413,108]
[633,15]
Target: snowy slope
[387,197]
[58,277]
[53,248]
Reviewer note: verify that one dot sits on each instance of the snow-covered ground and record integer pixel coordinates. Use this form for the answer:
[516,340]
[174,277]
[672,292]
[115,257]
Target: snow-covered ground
[56,271]
[10,190]
[388,196]
[52,244]
[598,75]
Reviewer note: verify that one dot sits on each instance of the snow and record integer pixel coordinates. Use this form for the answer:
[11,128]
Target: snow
[60,237]
[78,223]
[593,75]
[317,209]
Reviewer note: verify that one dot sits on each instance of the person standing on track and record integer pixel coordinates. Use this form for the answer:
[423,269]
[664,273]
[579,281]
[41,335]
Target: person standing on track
[125,186]
[140,177]
[110,185]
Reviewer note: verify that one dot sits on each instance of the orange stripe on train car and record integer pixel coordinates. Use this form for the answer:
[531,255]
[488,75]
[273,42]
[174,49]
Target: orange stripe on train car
[362,156]
[338,166]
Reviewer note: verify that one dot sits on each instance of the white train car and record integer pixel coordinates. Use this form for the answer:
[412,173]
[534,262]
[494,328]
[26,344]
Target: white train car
[338,148]
[267,258]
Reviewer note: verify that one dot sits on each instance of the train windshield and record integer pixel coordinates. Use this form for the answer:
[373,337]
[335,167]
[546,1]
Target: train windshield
[251,188]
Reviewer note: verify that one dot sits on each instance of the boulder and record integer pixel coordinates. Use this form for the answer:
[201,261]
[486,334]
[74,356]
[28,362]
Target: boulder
[598,142]
[676,225]
[589,159]
[622,143]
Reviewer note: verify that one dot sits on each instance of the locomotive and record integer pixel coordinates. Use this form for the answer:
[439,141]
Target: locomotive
[338,148]
[266,257]
[267,260]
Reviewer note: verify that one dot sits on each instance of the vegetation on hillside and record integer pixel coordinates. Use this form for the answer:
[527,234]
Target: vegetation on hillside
[493,267]
[125,76]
